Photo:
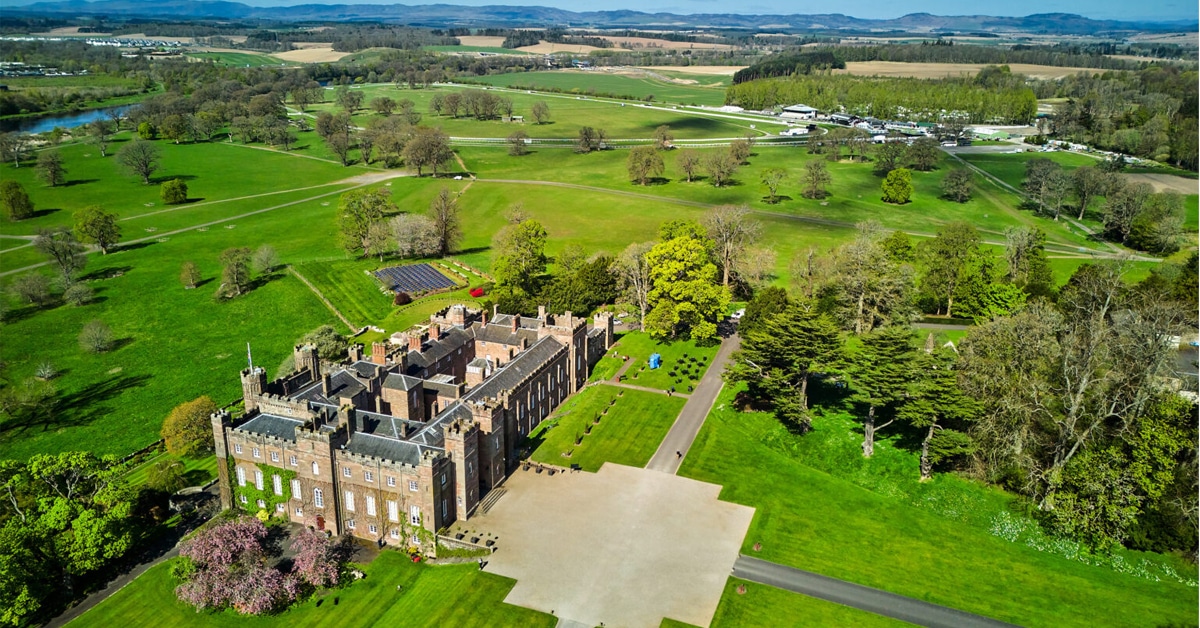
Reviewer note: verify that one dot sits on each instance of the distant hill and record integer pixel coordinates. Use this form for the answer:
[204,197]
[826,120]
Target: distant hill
[444,15]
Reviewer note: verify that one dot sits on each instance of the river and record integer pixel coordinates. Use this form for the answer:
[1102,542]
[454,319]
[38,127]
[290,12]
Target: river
[42,124]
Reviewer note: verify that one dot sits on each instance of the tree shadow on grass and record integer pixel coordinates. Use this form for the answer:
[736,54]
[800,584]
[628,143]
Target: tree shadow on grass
[776,199]
[163,179]
[657,181]
[75,182]
[106,273]
[38,213]
[73,409]
[137,245]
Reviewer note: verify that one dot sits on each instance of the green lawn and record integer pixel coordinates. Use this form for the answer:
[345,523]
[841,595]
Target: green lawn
[821,508]
[1010,168]
[589,82]
[632,424]
[763,605]
[450,595]
[198,471]
[677,356]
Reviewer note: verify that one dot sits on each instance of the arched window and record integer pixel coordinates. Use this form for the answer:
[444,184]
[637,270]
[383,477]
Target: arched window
[318,497]
[316,469]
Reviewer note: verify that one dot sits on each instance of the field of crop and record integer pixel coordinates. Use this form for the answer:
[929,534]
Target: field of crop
[325,54]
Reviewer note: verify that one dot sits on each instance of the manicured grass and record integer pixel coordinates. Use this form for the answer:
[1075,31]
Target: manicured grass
[763,605]
[601,83]
[214,171]
[629,434]
[1010,168]
[450,595]
[198,471]
[938,550]
[346,284]
[639,346]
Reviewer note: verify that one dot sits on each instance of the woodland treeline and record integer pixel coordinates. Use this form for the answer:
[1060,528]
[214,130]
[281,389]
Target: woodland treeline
[1150,113]
[1007,100]
[945,51]
[1066,397]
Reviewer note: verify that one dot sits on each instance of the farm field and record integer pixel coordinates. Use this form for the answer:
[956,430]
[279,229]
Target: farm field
[632,424]
[586,82]
[451,595]
[940,70]
[323,54]
[242,59]
[871,522]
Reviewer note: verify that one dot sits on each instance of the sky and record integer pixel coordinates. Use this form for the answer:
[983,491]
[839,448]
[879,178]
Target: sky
[1097,9]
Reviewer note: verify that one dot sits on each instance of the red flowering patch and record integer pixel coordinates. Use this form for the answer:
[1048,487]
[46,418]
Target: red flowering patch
[476,292]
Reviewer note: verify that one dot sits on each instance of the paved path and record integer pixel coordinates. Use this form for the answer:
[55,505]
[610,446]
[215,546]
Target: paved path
[688,423]
[656,391]
[857,596]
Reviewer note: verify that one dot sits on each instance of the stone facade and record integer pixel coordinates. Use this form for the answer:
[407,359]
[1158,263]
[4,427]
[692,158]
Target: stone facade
[394,446]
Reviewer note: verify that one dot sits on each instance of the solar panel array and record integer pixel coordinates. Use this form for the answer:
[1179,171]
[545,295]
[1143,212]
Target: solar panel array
[415,278]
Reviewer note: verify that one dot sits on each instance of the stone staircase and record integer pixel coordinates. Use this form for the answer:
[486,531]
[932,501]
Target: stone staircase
[493,496]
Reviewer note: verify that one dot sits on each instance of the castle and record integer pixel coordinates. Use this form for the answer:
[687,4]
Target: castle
[402,443]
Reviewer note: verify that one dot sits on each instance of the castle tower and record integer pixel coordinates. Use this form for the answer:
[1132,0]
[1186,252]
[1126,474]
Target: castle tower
[462,444]
[254,384]
[604,320]
[221,420]
[307,359]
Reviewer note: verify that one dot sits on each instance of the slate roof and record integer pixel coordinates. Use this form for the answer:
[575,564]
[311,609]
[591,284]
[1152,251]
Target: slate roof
[272,425]
[517,369]
[341,384]
[502,333]
[385,425]
[397,381]
[435,350]
[442,388]
[366,368]
[406,452]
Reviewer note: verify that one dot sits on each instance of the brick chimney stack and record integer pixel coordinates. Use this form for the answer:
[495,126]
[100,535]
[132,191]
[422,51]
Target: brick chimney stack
[516,322]
[326,383]
[484,318]
[378,353]
[542,312]
[414,342]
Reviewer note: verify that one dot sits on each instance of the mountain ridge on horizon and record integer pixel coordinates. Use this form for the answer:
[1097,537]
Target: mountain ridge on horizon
[504,15]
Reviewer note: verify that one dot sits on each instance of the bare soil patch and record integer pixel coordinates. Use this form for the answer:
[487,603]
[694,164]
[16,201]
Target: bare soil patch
[1165,182]
[941,70]
[324,54]
[479,40]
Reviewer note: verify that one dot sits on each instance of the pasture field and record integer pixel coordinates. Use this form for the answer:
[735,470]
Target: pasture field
[632,424]
[241,59]
[396,592]
[821,507]
[590,81]
[567,115]
[489,49]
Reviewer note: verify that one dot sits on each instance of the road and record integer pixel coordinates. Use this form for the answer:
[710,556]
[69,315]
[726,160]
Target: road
[907,609]
[688,423]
